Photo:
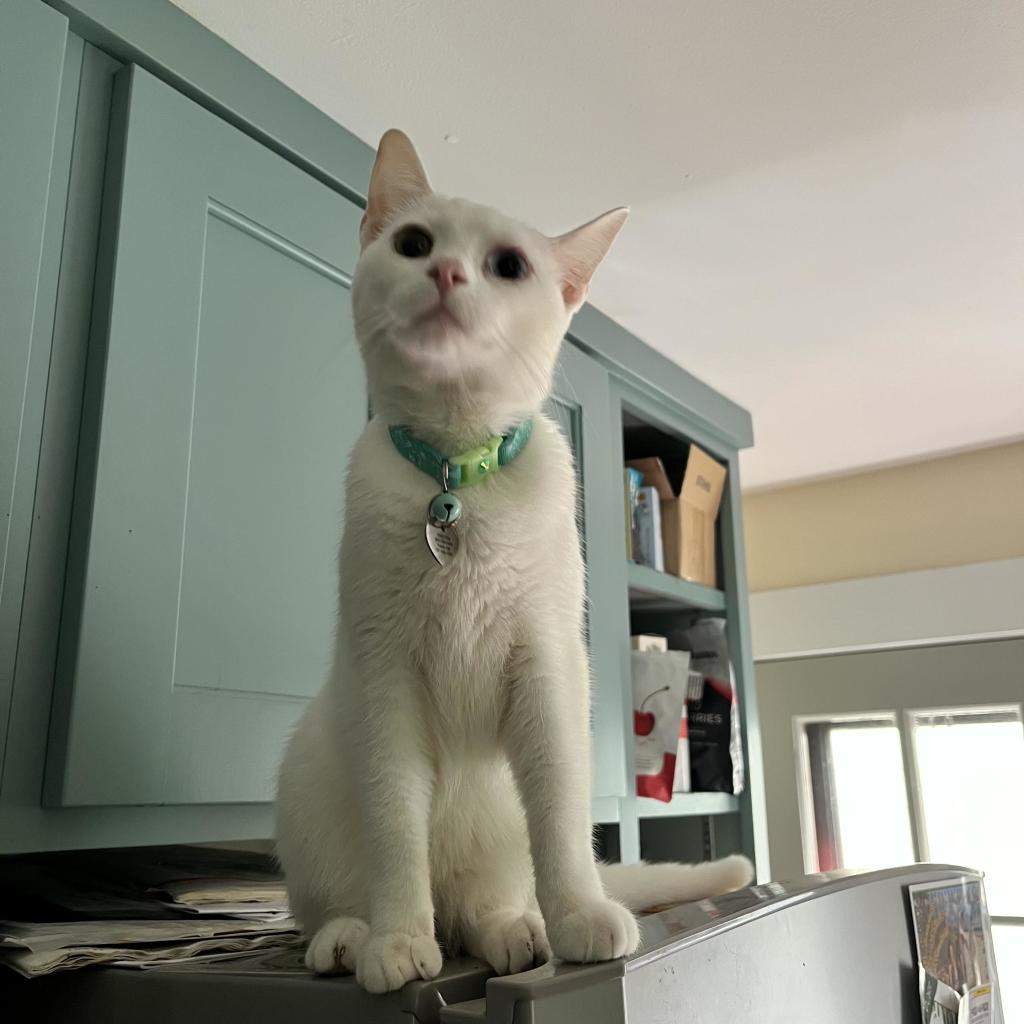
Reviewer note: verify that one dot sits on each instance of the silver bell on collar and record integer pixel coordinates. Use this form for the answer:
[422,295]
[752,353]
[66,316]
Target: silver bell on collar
[444,510]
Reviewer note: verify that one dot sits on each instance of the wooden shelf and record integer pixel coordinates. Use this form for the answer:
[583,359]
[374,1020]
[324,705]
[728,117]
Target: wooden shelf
[653,591]
[688,805]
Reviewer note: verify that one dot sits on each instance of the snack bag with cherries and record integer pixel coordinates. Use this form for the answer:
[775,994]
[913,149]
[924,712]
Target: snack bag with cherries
[659,690]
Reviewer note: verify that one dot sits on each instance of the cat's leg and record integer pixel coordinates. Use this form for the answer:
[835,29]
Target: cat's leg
[319,841]
[395,797]
[547,736]
[482,872]
[496,917]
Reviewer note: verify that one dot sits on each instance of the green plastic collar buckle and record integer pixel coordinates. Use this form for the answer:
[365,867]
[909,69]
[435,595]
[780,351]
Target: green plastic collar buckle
[478,463]
[468,468]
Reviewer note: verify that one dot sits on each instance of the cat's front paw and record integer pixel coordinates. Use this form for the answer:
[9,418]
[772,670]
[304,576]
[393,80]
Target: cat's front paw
[599,930]
[511,941]
[389,959]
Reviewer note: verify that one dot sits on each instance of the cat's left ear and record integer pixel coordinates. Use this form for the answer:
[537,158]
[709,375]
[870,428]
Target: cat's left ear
[579,253]
[396,180]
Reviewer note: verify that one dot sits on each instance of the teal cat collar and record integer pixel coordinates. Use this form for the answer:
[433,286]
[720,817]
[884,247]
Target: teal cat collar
[466,468]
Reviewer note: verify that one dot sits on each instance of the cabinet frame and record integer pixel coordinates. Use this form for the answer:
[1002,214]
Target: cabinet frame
[749,806]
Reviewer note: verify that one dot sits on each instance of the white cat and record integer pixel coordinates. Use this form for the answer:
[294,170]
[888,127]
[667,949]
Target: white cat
[442,776]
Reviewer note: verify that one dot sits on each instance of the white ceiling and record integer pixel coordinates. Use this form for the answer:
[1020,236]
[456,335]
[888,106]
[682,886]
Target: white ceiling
[828,197]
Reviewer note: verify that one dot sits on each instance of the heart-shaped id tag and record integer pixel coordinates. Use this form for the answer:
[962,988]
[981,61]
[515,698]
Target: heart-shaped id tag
[443,542]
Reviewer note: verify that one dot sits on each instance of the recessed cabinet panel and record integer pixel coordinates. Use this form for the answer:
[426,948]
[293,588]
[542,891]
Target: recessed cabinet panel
[225,392]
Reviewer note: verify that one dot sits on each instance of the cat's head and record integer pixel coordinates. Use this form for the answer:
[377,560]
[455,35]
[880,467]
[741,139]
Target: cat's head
[457,307]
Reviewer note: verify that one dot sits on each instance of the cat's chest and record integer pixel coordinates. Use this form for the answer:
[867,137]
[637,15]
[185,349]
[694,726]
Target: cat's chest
[481,568]
[515,545]
[461,617]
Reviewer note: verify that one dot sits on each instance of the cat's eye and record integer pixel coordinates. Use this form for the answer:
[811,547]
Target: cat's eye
[509,264]
[413,241]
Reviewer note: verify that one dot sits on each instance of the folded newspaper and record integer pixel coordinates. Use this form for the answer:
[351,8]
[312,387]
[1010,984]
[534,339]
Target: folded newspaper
[225,896]
[41,948]
[140,909]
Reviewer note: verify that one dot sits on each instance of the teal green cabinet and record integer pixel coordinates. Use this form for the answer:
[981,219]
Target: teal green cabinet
[580,403]
[33,170]
[224,392]
[179,391]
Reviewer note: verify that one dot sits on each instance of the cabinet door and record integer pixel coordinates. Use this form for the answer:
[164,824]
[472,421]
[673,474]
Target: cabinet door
[224,392]
[581,404]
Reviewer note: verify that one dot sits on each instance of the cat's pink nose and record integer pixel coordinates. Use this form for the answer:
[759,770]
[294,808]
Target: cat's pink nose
[447,274]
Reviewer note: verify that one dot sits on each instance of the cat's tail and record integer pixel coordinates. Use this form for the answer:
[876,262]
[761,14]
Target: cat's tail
[643,886]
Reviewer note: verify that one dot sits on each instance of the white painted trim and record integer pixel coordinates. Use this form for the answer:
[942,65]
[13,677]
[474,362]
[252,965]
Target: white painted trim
[982,601]
[804,796]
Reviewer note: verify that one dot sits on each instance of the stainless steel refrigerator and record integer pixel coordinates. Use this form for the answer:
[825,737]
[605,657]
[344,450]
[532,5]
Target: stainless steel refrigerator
[825,949]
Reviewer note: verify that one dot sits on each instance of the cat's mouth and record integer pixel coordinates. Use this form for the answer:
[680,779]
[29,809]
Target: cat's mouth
[439,315]
[431,340]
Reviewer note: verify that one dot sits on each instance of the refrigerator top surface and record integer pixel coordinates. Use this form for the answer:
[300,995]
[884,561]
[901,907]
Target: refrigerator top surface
[673,927]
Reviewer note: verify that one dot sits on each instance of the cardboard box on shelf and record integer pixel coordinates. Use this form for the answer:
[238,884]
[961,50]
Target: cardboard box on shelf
[688,517]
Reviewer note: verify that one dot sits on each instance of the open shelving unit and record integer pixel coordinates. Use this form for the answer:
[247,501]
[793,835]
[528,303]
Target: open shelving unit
[697,824]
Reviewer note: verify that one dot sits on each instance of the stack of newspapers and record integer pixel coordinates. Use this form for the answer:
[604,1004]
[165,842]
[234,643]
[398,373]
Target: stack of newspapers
[139,908]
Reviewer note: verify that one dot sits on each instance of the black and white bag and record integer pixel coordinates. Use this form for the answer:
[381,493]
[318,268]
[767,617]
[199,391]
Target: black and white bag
[712,711]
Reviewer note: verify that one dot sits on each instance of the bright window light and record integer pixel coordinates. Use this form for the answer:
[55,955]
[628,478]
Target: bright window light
[870,798]
[857,815]
[970,768]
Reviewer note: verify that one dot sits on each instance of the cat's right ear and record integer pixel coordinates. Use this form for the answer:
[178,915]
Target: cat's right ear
[580,252]
[397,179]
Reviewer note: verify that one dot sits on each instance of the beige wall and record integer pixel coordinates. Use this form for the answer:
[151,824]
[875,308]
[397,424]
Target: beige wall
[947,511]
